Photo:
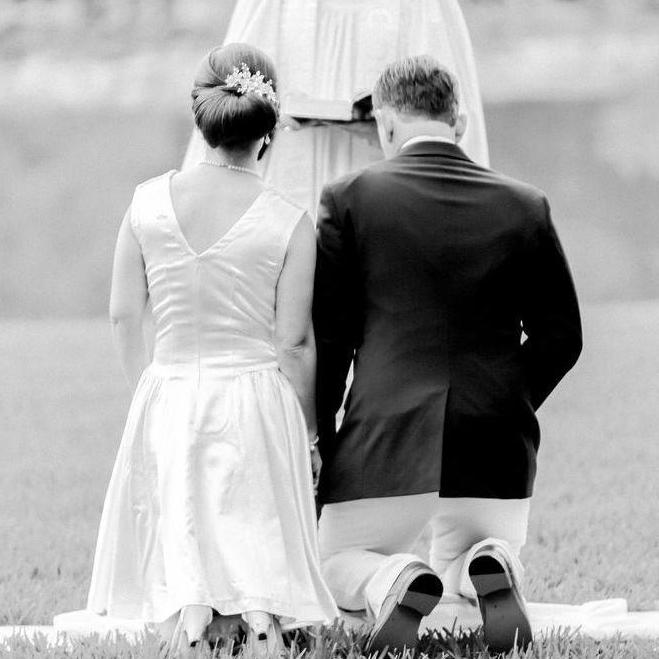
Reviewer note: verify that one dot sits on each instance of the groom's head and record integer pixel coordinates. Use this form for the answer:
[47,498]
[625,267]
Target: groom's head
[416,96]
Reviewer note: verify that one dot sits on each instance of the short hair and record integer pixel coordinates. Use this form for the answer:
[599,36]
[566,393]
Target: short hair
[225,117]
[421,86]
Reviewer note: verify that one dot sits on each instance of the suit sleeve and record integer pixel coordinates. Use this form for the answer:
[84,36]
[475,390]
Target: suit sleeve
[550,316]
[334,313]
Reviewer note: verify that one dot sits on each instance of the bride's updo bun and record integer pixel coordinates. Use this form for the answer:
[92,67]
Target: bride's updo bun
[225,116]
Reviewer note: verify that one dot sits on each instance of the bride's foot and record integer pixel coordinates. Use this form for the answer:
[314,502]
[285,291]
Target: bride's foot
[189,634]
[263,635]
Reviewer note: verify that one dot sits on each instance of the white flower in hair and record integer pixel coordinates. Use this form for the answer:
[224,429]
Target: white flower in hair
[246,82]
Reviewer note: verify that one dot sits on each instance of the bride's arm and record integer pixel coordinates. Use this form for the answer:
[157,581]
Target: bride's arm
[294,337]
[127,303]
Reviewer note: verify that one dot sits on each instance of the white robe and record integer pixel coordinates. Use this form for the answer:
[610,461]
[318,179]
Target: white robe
[332,50]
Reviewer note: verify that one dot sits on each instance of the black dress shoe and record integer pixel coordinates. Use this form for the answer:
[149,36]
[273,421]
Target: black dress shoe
[414,594]
[505,619]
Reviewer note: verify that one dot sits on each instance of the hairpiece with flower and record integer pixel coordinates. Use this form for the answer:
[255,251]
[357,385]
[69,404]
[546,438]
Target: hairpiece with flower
[243,81]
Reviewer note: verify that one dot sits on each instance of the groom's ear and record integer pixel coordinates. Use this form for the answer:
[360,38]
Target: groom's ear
[460,127]
[386,132]
[387,124]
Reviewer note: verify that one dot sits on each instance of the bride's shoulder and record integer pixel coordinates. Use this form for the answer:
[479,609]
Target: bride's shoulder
[285,215]
[280,202]
[155,180]
[149,199]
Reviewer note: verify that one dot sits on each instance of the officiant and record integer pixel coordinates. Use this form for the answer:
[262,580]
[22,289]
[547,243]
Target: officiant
[329,53]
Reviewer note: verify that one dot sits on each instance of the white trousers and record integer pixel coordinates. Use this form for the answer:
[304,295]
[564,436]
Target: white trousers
[365,544]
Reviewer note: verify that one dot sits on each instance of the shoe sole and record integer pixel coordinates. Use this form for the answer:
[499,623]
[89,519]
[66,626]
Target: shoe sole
[266,645]
[401,629]
[505,622]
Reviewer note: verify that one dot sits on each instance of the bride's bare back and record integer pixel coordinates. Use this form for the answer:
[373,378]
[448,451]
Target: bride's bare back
[209,200]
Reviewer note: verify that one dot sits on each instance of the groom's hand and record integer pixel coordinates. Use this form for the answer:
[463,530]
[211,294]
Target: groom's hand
[316,466]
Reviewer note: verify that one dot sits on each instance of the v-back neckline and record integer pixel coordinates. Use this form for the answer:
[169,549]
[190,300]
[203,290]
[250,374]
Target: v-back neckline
[223,239]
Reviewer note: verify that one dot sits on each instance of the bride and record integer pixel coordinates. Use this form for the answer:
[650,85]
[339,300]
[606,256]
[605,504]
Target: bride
[210,508]
[328,54]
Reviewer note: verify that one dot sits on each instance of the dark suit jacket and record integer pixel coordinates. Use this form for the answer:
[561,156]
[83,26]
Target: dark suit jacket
[429,268]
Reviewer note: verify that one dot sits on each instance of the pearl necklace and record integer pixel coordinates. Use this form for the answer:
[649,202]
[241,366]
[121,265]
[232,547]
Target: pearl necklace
[235,168]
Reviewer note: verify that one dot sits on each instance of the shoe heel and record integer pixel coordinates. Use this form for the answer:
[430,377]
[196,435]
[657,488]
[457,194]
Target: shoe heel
[505,620]
[401,631]
[264,640]
[423,594]
[488,576]
[505,624]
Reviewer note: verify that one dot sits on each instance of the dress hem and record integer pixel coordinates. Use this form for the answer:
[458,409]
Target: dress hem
[302,617]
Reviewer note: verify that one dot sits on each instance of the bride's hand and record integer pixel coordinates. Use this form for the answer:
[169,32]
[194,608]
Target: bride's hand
[316,466]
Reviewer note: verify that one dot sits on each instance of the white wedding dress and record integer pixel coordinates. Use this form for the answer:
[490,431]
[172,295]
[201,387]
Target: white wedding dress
[211,497]
[331,50]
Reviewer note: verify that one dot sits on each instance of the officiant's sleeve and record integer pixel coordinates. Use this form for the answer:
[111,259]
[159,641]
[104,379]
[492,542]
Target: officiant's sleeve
[335,311]
[550,316]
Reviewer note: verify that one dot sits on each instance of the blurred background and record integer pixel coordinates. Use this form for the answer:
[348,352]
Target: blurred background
[95,97]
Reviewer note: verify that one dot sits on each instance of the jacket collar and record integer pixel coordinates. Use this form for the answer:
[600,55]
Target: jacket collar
[433,148]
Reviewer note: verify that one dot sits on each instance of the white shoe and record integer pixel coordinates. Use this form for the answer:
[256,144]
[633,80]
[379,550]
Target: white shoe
[188,638]
[264,639]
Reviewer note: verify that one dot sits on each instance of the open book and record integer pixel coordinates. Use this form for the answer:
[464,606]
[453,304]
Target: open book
[303,106]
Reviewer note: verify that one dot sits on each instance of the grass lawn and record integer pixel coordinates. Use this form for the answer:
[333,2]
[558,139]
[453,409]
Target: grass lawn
[339,644]
[594,521]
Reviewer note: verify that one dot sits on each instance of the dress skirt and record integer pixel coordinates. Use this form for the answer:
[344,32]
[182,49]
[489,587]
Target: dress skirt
[210,502]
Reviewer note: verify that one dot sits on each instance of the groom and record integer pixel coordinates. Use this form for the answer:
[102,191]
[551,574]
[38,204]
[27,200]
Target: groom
[446,287]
